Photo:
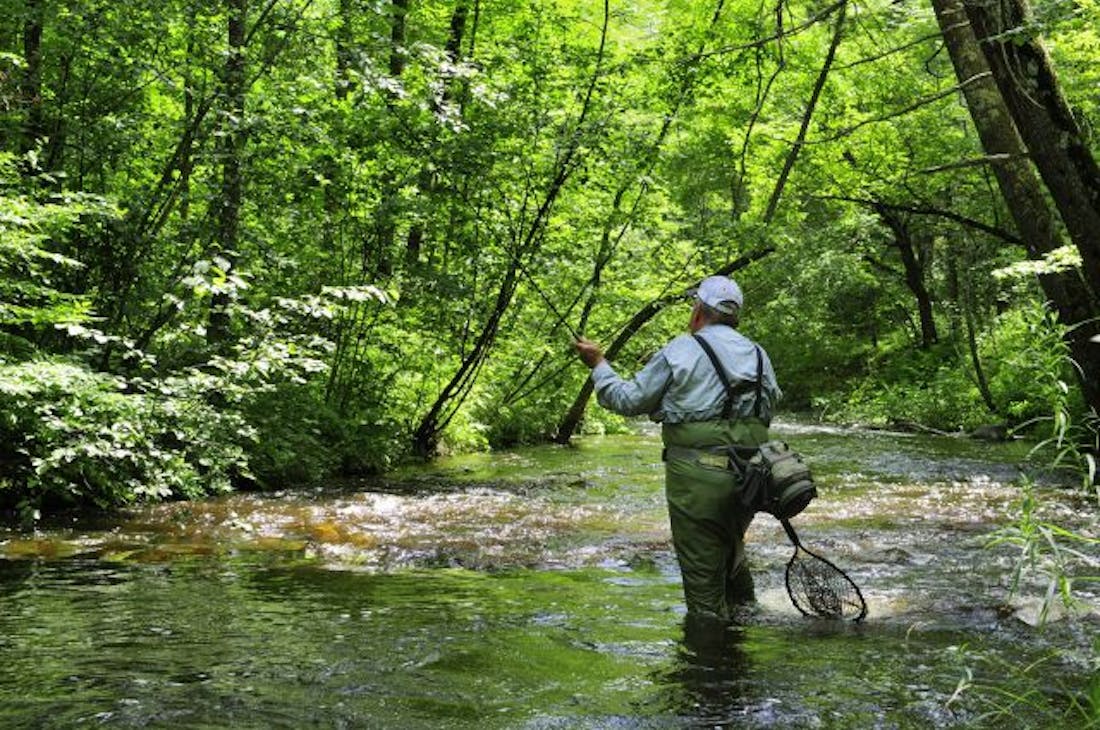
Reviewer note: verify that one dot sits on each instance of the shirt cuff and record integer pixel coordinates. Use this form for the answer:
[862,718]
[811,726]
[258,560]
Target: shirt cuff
[602,371]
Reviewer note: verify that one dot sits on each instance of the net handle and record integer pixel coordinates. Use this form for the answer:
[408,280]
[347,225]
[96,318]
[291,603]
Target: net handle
[791,534]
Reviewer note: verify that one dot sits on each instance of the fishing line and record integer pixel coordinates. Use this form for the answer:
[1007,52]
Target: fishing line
[538,290]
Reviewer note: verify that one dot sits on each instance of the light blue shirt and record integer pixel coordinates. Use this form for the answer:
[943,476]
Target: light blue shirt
[679,384]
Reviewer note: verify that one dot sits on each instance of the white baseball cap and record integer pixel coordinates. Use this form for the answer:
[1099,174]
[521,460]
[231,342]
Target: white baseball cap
[720,293]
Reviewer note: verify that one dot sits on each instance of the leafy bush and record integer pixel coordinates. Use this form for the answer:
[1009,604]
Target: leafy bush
[920,387]
[1030,374]
[135,428]
[299,440]
[32,235]
[73,436]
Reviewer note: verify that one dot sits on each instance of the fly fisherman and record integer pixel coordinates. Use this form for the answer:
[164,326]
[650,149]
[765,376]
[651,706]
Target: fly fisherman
[680,388]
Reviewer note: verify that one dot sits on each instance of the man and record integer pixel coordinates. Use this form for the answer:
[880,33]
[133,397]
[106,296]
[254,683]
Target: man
[680,388]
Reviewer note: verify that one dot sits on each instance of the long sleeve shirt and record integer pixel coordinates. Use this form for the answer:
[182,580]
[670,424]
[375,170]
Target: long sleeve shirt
[679,384]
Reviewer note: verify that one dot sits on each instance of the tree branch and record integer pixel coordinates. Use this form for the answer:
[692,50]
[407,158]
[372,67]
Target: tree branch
[932,211]
[890,52]
[901,112]
[779,35]
[974,162]
[819,84]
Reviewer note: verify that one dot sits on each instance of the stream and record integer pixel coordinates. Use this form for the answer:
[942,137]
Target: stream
[537,588]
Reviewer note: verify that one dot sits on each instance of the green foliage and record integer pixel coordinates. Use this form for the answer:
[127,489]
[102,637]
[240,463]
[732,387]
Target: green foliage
[33,233]
[75,437]
[1061,560]
[913,387]
[1030,371]
[1024,360]
[298,440]
[1004,690]
[821,317]
[404,184]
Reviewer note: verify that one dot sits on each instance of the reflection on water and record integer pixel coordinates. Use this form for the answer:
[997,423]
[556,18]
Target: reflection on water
[538,589]
[708,677]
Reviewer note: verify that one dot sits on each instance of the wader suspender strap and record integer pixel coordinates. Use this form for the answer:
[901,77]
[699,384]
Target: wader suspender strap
[732,391]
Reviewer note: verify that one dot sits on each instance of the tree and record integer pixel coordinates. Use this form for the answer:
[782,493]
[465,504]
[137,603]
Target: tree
[230,153]
[1031,92]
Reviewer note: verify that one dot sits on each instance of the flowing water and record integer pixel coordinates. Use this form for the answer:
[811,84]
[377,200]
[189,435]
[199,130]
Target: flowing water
[536,588]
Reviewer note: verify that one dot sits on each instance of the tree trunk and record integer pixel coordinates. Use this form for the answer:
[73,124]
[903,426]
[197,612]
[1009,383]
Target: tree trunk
[975,358]
[573,417]
[426,178]
[811,106]
[398,10]
[959,285]
[230,151]
[575,413]
[186,157]
[914,274]
[31,84]
[1029,85]
[525,243]
[343,41]
[999,129]
[379,260]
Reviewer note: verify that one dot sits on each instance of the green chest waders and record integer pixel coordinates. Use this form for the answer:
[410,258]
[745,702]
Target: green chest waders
[708,523]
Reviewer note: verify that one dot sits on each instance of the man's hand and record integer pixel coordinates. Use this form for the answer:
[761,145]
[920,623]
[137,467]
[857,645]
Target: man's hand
[590,353]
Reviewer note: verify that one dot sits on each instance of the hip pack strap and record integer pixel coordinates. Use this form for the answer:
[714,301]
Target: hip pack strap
[716,456]
[725,457]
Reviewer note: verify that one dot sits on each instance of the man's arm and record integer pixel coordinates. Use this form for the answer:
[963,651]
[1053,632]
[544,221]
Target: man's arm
[626,397]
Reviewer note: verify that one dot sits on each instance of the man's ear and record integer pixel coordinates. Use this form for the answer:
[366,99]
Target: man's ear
[696,320]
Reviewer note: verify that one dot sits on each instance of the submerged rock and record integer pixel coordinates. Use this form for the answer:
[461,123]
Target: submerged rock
[1037,611]
[992,432]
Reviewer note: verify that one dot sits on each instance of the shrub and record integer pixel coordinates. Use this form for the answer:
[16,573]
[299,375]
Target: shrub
[72,436]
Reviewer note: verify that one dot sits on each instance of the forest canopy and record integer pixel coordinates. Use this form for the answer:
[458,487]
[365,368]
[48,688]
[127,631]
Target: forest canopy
[256,243]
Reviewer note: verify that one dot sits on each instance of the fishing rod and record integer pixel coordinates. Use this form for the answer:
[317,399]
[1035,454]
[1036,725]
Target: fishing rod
[538,290]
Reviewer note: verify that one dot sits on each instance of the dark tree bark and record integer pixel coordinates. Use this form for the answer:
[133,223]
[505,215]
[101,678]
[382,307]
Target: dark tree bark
[31,83]
[426,178]
[959,292]
[378,260]
[399,9]
[1027,81]
[1014,98]
[343,39]
[914,273]
[231,149]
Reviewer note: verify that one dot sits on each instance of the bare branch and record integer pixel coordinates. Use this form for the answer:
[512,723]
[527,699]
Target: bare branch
[780,34]
[973,162]
[807,116]
[932,211]
[891,51]
[900,112]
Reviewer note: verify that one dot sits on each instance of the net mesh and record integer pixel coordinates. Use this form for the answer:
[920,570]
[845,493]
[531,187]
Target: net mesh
[821,589]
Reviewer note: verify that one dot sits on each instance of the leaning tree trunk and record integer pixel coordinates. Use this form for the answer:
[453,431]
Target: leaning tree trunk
[446,405]
[1019,111]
